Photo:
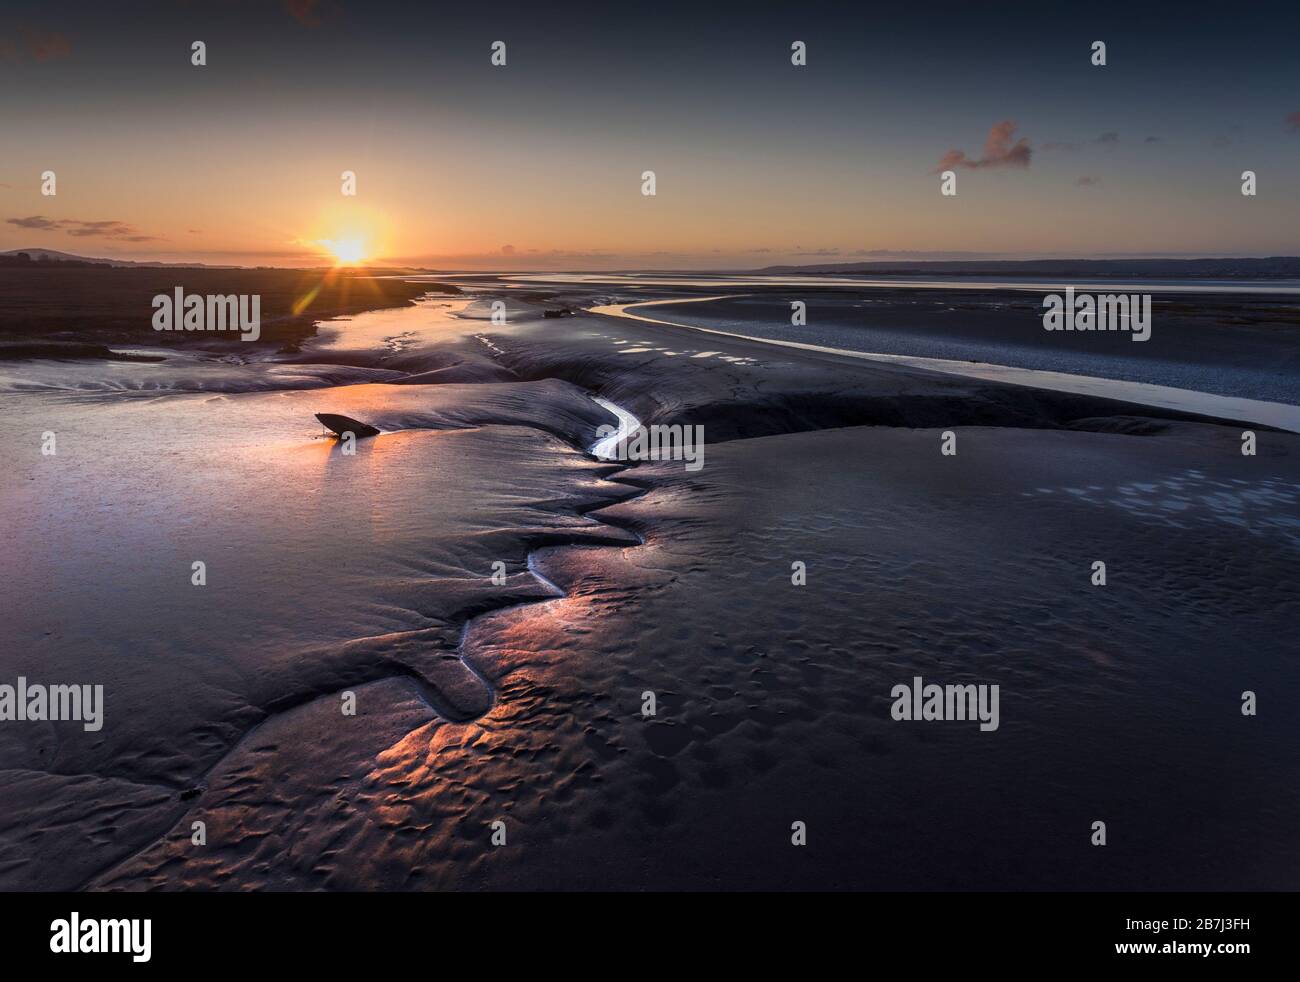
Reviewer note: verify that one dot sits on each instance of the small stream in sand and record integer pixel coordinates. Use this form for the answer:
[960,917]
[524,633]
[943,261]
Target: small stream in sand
[605,447]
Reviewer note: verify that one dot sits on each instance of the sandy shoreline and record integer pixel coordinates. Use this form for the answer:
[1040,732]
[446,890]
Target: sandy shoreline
[1247,411]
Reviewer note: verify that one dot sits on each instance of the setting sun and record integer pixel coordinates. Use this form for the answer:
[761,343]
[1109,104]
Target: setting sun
[346,252]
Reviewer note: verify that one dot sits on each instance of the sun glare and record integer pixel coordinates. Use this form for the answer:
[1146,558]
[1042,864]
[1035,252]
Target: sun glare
[346,252]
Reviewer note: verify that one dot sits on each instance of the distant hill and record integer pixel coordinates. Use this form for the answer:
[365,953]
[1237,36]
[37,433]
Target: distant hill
[14,257]
[1273,267]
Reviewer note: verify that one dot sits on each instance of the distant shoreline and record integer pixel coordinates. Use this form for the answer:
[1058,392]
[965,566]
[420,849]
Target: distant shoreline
[75,305]
[1270,267]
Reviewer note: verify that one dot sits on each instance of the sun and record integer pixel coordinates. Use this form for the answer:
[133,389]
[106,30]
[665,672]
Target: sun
[346,252]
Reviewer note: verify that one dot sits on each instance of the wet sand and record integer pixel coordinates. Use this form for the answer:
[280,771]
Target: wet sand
[521,702]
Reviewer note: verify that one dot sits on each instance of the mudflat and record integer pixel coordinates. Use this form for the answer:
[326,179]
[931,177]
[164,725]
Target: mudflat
[499,602]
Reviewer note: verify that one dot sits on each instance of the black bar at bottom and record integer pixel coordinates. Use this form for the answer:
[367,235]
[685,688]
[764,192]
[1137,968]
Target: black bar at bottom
[419,931]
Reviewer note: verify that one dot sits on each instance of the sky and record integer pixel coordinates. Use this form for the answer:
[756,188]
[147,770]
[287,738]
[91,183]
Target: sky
[538,164]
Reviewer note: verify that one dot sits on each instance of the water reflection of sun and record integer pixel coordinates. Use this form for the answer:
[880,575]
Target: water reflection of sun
[340,276]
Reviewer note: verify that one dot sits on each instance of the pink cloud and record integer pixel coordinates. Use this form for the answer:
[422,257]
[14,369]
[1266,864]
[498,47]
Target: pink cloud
[1001,149]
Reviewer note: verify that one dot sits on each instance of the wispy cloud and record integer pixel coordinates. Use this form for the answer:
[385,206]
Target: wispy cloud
[1293,121]
[82,229]
[304,12]
[36,43]
[1108,139]
[1001,149]
[1088,181]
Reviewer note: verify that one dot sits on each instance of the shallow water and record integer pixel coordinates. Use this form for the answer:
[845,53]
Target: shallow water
[627,423]
[1284,416]
[431,320]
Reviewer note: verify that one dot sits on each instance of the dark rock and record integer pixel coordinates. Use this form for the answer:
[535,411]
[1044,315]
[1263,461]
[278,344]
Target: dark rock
[346,424]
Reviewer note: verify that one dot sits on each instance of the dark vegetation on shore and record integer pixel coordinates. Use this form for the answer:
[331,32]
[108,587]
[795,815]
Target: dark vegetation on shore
[44,306]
